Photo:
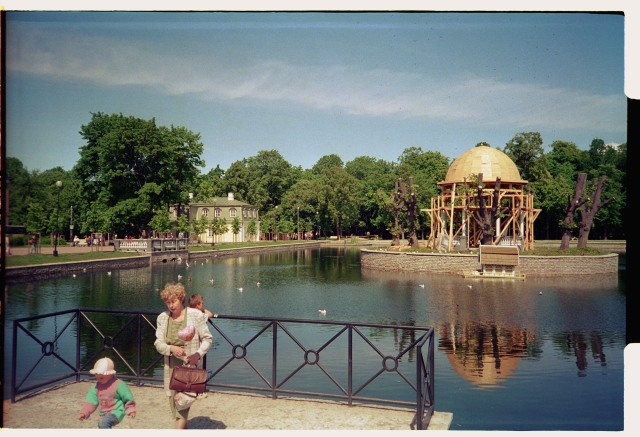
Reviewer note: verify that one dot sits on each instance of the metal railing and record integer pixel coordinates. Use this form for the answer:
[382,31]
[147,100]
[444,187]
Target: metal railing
[127,336]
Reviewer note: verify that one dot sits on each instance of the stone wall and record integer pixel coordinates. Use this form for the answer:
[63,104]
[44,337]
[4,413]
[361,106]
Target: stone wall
[46,270]
[451,263]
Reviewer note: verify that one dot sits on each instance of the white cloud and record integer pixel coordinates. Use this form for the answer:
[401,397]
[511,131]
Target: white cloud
[373,93]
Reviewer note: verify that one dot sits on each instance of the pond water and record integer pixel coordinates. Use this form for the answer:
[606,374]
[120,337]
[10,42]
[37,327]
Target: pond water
[540,354]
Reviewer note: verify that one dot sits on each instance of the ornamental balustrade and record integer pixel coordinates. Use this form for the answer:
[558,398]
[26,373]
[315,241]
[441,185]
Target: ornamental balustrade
[367,363]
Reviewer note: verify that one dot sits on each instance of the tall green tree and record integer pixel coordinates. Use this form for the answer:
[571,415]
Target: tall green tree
[339,197]
[130,167]
[327,161]
[524,149]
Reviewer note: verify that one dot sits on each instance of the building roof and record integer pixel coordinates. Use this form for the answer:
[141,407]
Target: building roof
[492,163]
[222,201]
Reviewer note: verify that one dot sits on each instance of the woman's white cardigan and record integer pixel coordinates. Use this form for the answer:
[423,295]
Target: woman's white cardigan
[199,343]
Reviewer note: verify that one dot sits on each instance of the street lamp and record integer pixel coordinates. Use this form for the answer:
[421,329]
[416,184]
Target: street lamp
[189,214]
[298,223]
[276,222]
[55,244]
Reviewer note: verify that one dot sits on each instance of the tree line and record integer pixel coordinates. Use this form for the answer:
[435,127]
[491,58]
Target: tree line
[130,171]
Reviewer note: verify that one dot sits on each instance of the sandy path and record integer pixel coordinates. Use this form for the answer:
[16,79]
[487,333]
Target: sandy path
[59,408]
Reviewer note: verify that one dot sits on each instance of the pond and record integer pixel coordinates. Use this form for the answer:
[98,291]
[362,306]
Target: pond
[539,354]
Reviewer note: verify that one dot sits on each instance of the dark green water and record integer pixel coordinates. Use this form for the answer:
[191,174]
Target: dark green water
[507,358]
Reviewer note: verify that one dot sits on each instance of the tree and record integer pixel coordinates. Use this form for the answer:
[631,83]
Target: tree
[183,224]
[339,197]
[326,161]
[373,174]
[198,226]
[218,226]
[394,205]
[36,221]
[486,217]
[589,210]
[235,228]
[524,149]
[252,229]
[130,168]
[587,213]
[161,222]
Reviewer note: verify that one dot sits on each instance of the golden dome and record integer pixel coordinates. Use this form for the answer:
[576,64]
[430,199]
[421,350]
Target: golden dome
[492,163]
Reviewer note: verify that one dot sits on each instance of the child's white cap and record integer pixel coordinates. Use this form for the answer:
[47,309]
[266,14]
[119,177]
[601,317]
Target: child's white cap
[104,366]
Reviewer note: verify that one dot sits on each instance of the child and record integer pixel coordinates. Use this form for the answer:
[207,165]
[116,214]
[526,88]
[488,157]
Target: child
[110,396]
[197,302]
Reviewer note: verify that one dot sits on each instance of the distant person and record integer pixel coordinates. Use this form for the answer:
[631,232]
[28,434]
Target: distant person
[196,301]
[110,396]
[76,240]
[32,244]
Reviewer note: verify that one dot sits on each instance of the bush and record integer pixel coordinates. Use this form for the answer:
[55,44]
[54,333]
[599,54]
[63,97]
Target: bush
[46,241]
[18,240]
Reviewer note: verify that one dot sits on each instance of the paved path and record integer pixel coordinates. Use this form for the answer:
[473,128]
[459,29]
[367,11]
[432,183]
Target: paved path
[48,250]
[59,408]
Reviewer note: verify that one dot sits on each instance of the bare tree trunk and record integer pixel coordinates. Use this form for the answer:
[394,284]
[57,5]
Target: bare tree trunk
[572,206]
[486,217]
[587,213]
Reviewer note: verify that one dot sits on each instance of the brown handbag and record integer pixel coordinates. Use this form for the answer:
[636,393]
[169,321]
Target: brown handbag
[189,379]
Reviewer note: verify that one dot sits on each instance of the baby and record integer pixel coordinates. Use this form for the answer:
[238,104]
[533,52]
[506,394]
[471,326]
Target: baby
[197,302]
[110,396]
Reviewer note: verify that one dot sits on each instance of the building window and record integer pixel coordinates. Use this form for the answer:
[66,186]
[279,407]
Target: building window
[205,212]
[232,212]
[217,212]
[244,212]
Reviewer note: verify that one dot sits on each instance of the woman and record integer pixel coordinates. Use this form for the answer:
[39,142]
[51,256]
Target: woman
[178,352]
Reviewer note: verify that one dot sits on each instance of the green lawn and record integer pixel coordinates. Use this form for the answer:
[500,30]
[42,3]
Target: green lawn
[219,246]
[40,258]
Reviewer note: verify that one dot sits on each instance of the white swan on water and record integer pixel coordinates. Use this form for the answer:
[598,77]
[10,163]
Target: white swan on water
[322,311]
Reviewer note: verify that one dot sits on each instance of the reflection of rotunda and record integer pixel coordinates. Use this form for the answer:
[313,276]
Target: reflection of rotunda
[455,212]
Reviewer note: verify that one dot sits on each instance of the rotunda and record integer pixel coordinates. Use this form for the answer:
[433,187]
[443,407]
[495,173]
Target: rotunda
[460,214]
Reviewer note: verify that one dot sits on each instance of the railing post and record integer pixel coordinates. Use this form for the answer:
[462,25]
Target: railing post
[274,360]
[78,345]
[419,395]
[350,363]
[139,350]
[14,349]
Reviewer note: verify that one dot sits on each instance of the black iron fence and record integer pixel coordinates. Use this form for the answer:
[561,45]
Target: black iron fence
[275,355]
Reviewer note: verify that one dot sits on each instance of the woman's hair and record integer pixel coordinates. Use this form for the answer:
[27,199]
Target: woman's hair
[195,300]
[173,291]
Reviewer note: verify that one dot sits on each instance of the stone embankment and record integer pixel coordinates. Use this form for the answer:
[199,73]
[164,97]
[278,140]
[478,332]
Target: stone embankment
[16,274]
[451,263]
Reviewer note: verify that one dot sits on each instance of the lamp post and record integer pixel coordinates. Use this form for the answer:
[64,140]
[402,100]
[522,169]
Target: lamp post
[189,214]
[298,223]
[276,223]
[71,225]
[55,244]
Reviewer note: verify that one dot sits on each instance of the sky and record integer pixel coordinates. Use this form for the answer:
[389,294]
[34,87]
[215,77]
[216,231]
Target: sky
[312,84]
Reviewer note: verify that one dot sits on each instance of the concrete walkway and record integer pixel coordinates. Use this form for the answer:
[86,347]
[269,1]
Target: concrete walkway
[59,408]
[48,250]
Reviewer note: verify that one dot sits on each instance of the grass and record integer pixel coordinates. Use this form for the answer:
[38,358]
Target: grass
[541,251]
[41,258]
[555,251]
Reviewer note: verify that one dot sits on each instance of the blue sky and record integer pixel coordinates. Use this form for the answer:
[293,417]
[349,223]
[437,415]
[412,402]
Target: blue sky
[312,84]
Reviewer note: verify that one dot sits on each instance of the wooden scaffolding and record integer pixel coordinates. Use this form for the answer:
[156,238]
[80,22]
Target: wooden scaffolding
[452,222]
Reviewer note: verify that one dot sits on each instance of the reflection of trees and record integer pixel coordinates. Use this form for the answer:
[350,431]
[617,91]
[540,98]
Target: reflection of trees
[577,345]
[486,354]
